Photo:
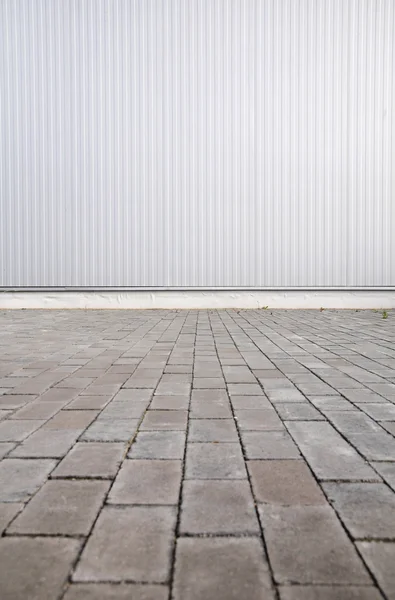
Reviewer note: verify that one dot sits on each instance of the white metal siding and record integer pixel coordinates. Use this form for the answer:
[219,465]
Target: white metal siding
[197,143]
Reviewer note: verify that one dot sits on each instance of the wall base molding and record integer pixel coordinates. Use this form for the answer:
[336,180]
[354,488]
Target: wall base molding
[197,299]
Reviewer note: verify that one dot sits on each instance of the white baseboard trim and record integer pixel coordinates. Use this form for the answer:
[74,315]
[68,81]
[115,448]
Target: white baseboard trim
[197,299]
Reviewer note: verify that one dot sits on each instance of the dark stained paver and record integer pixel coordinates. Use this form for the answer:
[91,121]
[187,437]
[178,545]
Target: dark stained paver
[197,455]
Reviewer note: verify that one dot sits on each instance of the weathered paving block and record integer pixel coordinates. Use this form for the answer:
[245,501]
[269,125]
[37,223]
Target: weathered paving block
[62,507]
[269,444]
[158,444]
[71,419]
[221,569]
[8,510]
[245,389]
[110,591]
[366,509]
[328,454]
[88,403]
[111,430]
[171,420]
[217,409]
[352,422]
[307,545]
[35,568]
[315,592]
[169,403]
[387,472]
[5,448]
[380,557]
[39,410]
[286,482]
[147,482]
[143,555]
[214,461]
[18,429]
[90,460]
[250,402]
[212,430]
[47,443]
[19,478]
[218,507]
[265,419]
[298,412]
[378,445]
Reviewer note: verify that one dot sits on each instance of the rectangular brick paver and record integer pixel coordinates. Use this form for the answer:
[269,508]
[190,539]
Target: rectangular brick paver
[202,455]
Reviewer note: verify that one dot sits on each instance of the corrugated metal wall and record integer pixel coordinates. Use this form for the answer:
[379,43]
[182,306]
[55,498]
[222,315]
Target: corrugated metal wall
[197,143]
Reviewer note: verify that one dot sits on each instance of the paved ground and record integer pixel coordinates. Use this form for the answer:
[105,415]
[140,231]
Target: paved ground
[211,455]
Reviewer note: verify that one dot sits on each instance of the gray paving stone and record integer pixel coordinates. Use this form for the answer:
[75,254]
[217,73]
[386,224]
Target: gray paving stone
[124,409]
[59,395]
[307,545]
[221,569]
[380,412]
[109,591]
[328,454]
[71,419]
[287,395]
[362,396]
[217,409]
[250,402]
[286,482]
[211,395]
[111,430]
[387,472]
[366,509]
[315,592]
[47,443]
[132,396]
[374,446]
[208,383]
[8,510]
[24,567]
[19,479]
[389,426]
[352,422]
[218,507]
[245,389]
[90,460]
[169,403]
[327,403]
[173,389]
[143,555]
[88,403]
[238,374]
[258,420]
[212,430]
[62,507]
[8,401]
[214,461]
[39,410]
[147,482]
[18,430]
[269,444]
[380,558]
[5,448]
[170,420]
[298,412]
[158,444]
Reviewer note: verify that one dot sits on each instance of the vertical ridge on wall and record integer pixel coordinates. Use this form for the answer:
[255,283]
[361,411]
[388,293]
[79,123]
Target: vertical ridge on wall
[203,143]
